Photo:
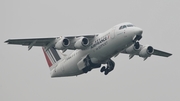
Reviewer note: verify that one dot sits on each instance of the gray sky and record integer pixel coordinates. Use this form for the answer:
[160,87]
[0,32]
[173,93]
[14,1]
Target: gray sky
[24,75]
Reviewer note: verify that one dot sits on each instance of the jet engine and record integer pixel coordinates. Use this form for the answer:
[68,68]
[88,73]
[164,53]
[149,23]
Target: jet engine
[147,51]
[133,48]
[62,44]
[81,43]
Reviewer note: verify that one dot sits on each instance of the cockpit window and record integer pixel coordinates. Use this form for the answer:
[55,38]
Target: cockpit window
[129,25]
[122,27]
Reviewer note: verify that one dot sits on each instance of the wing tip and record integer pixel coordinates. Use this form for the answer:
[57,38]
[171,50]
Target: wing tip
[7,41]
[169,55]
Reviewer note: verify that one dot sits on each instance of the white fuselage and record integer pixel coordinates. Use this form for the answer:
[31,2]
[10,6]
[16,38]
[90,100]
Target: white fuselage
[90,51]
[104,46]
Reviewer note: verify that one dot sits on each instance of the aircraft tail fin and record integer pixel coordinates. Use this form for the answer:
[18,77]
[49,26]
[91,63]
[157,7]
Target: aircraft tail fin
[52,56]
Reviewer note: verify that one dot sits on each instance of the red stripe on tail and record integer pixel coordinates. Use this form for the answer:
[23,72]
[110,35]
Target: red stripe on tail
[47,59]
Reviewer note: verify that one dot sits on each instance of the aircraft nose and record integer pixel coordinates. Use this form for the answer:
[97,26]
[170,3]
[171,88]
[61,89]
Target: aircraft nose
[138,31]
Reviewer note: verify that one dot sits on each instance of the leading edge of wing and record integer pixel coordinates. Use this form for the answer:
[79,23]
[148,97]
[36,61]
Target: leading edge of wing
[161,53]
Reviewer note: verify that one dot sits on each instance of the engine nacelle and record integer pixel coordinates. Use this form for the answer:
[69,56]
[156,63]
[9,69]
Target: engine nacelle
[62,44]
[81,43]
[146,51]
[133,48]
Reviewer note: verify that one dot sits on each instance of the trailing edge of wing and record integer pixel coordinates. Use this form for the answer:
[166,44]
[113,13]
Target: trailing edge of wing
[161,53]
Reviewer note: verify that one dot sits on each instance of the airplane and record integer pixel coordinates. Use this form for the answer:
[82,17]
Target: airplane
[90,51]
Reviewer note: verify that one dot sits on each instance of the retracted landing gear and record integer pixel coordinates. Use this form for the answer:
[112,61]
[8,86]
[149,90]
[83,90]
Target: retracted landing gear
[108,68]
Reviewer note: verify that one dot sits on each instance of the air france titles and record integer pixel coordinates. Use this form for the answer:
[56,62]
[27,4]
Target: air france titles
[99,41]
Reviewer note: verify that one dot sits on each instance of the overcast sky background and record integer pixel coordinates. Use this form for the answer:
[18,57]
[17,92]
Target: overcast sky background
[25,76]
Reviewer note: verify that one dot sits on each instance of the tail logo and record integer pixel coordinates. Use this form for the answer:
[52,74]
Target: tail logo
[51,56]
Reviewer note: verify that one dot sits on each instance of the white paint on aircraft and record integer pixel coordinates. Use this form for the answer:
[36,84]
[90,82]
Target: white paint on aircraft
[91,51]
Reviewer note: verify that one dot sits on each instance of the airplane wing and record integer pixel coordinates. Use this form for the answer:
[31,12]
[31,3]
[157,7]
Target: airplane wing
[156,52]
[27,42]
[161,53]
[31,42]
[143,51]
[46,42]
